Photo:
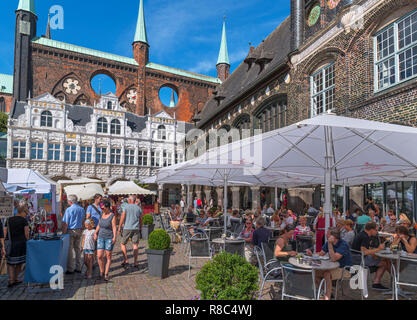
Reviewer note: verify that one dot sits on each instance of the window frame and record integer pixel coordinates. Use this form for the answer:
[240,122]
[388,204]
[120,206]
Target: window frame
[47,119]
[87,153]
[19,149]
[101,125]
[101,154]
[324,90]
[70,153]
[396,54]
[54,154]
[115,127]
[129,157]
[115,156]
[143,158]
[38,148]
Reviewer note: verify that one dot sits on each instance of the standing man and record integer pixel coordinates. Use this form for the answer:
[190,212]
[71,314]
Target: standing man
[182,205]
[131,224]
[94,211]
[72,224]
[156,206]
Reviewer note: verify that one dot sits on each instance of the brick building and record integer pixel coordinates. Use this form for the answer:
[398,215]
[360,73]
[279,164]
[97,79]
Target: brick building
[356,58]
[65,70]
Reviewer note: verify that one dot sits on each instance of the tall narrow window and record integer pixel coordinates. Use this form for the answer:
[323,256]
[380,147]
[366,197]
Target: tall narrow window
[19,150]
[271,116]
[46,119]
[162,133]
[129,157]
[115,156]
[155,158]
[101,155]
[396,52]
[86,154]
[2,105]
[36,151]
[102,126]
[54,152]
[143,158]
[322,90]
[70,153]
[115,127]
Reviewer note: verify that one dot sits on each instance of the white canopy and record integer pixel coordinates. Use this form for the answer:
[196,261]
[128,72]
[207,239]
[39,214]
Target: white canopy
[325,150]
[30,179]
[128,187]
[64,183]
[84,191]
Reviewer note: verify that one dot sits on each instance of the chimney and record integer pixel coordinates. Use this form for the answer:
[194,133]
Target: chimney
[297,23]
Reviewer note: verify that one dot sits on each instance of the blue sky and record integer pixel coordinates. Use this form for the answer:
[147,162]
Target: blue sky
[183,34]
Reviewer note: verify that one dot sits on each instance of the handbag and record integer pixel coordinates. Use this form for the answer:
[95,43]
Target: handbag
[8,243]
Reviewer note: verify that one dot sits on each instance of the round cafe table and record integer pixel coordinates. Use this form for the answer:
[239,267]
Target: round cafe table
[325,264]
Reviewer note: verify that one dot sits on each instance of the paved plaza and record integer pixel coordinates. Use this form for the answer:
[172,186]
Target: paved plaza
[134,284]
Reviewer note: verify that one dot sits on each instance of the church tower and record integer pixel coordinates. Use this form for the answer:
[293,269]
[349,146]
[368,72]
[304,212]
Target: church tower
[223,64]
[25,31]
[141,55]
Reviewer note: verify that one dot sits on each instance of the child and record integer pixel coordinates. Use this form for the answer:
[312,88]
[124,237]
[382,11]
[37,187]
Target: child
[89,246]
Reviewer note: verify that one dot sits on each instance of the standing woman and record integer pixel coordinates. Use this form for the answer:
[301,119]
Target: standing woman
[16,232]
[105,236]
[320,227]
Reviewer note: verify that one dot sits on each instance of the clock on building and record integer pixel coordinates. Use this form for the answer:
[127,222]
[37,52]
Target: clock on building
[314,15]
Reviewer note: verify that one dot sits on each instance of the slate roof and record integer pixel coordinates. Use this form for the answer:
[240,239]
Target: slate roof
[6,83]
[278,43]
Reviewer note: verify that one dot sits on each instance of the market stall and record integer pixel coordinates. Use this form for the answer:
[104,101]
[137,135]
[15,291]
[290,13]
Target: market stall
[126,188]
[84,191]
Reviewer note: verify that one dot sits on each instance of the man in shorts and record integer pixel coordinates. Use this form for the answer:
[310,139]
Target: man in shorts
[131,224]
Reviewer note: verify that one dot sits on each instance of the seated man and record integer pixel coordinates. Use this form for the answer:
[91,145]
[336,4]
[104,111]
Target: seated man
[362,243]
[201,220]
[392,224]
[338,251]
[261,234]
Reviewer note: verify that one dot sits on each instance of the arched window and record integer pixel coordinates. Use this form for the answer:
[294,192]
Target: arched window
[2,105]
[46,119]
[162,133]
[272,115]
[102,126]
[115,127]
[109,105]
[242,123]
[323,90]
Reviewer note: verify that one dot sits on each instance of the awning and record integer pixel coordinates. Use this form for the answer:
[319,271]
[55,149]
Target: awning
[128,188]
[84,191]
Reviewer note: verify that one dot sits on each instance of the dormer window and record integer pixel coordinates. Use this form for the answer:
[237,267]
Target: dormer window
[109,105]
[46,119]
[162,133]
[115,127]
[102,125]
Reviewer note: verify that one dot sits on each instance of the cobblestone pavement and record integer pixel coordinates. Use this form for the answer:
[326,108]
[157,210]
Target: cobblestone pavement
[134,284]
[130,284]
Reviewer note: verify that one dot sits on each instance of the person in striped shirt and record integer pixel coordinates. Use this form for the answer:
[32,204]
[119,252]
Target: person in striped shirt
[302,228]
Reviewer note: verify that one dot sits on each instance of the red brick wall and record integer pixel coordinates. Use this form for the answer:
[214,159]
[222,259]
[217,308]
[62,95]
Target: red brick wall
[8,100]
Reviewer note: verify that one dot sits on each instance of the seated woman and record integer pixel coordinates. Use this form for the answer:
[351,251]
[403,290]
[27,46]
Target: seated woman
[404,240]
[302,228]
[247,235]
[283,248]
[349,234]
[275,219]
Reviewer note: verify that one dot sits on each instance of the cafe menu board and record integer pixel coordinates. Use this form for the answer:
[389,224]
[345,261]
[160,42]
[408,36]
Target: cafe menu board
[6,207]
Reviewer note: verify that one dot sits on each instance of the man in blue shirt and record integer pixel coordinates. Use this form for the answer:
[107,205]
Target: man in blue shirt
[94,211]
[72,224]
[261,234]
[338,251]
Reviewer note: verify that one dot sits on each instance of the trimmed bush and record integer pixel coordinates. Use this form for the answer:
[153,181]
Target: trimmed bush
[228,277]
[148,220]
[159,240]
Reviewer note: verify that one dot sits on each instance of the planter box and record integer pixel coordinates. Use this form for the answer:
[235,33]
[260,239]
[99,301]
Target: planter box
[147,230]
[158,262]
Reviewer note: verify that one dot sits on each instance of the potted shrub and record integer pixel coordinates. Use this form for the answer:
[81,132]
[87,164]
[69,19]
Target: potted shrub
[147,227]
[159,253]
[228,277]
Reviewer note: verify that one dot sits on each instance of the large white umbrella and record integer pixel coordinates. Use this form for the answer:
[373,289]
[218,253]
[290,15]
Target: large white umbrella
[84,191]
[128,188]
[327,150]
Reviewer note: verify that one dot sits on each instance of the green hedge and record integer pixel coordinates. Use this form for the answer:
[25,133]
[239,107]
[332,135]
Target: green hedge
[148,220]
[159,240]
[228,277]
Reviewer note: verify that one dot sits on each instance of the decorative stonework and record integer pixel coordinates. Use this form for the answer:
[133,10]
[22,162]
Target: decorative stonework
[71,86]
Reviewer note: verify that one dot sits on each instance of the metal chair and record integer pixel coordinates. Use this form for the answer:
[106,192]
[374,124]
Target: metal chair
[303,243]
[267,253]
[405,274]
[235,247]
[300,284]
[199,249]
[268,272]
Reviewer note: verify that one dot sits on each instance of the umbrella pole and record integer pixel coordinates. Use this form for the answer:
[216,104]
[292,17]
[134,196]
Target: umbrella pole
[344,200]
[276,198]
[328,179]
[225,206]
[188,195]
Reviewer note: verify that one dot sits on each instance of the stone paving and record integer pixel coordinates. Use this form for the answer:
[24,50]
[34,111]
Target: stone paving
[135,284]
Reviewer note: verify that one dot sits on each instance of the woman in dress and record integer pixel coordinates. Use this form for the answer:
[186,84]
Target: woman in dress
[16,232]
[247,235]
[320,227]
[105,236]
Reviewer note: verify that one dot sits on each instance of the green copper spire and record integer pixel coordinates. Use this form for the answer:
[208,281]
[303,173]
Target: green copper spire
[223,54]
[27,5]
[172,103]
[141,35]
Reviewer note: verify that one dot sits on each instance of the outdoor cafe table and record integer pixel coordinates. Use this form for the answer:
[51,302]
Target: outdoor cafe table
[325,264]
[274,230]
[394,258]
